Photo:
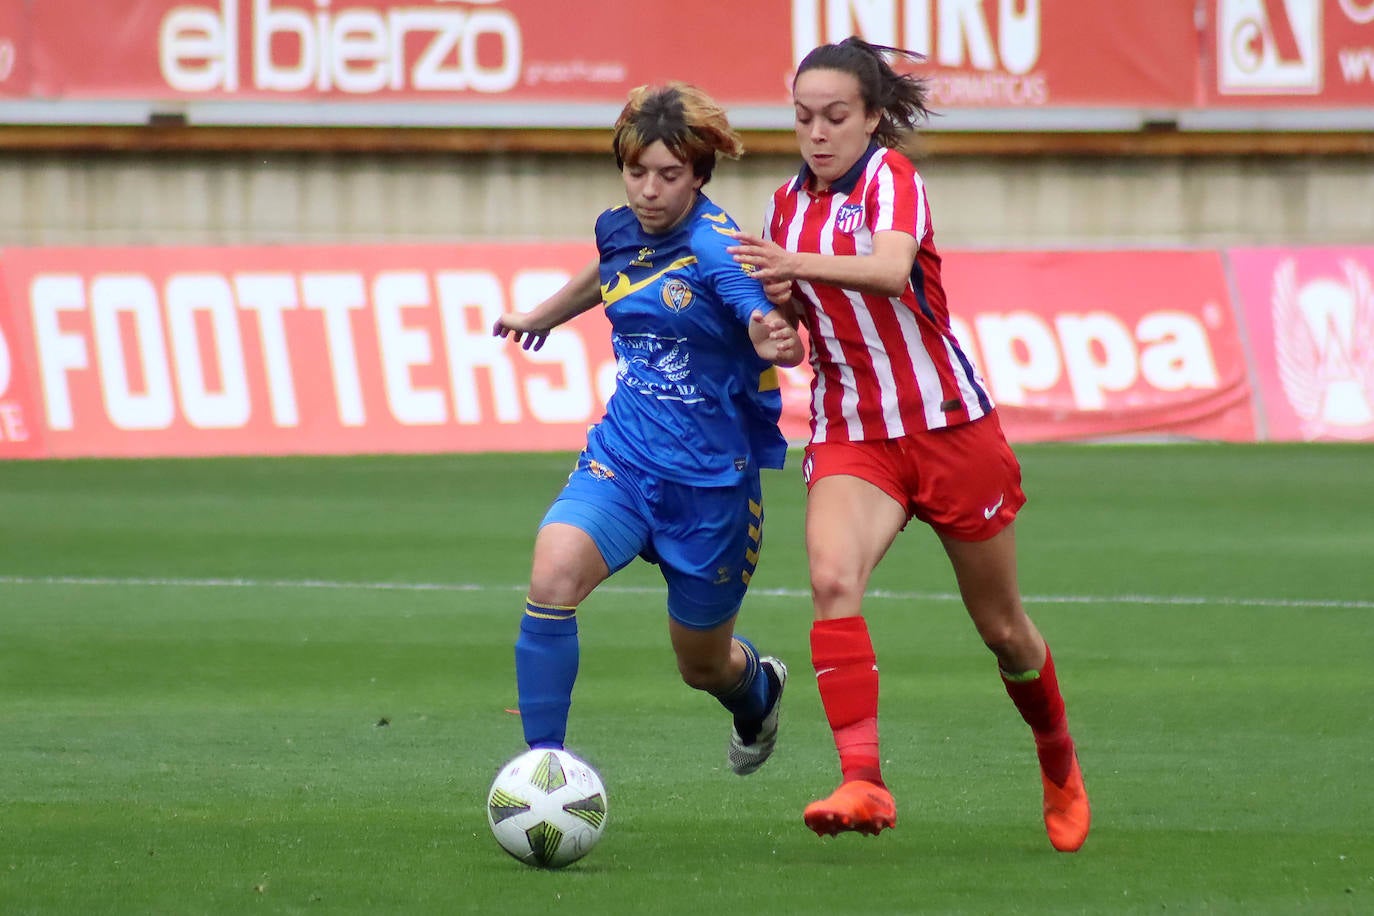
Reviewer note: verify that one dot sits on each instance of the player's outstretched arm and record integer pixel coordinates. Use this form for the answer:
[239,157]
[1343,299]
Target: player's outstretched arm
[885,272]
[530,329]
[775,339]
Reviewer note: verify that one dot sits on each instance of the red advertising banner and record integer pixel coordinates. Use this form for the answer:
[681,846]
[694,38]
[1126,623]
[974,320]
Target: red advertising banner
[14,45]
[1026,54]
[1309,318]
[1289,53]
[1031,53]
[560,69]
[1084,345]
[202,351]
[333,350]
[21,426]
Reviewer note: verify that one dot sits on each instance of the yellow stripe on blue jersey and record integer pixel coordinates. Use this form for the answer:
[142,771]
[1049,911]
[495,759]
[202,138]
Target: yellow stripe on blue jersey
[692,400]
[621,287]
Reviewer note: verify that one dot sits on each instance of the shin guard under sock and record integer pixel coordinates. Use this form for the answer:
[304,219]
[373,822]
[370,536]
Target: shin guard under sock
[847,678]
[546,659]
[748,699]
[1037,698]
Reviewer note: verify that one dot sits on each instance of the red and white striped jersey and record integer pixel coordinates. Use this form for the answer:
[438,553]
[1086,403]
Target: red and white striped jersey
[884,368]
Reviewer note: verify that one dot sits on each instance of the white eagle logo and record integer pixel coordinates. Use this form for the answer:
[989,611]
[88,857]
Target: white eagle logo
[1324,349]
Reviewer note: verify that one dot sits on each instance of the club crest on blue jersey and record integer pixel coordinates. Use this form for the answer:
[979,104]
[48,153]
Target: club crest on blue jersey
[676,294]
[599,470]
[849,218]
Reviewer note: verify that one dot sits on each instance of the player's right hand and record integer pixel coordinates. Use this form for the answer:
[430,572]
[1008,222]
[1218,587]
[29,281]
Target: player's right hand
[519,328]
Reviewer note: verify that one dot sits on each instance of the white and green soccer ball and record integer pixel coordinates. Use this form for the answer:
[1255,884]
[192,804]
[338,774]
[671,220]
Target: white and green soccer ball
[547,808]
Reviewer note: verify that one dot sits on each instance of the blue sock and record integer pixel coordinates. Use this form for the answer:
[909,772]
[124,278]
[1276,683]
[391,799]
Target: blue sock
[748,699]
[546,657]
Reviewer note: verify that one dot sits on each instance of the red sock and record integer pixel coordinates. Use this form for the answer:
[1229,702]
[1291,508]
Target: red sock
[1037,698]
[847,677]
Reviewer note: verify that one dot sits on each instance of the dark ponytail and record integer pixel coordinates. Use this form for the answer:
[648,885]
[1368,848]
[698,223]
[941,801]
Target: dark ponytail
[901,97]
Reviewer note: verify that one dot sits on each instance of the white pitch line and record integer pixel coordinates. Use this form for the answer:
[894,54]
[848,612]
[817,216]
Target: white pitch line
[791,593]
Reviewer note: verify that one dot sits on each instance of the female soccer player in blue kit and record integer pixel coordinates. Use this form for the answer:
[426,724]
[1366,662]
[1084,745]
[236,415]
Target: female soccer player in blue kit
[671,472]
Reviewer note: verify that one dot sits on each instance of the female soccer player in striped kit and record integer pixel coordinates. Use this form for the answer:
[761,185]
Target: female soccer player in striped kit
[902,425]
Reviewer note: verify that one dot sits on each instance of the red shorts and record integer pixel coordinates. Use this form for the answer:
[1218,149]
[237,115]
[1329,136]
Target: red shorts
[964,481]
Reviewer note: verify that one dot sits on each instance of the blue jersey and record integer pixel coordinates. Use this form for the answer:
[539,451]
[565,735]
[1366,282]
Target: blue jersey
[693,402]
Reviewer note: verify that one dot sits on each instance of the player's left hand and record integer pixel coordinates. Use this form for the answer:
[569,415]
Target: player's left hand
[779,292]
[775,339]
[769,260]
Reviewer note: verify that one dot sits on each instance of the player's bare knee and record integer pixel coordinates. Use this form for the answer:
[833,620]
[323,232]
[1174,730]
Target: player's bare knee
[565,568]
[701,674]
[558,584]
[1013,639]
[999,635]
[835,588]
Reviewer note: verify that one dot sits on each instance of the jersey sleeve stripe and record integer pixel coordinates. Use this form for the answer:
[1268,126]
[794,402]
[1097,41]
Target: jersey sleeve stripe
[884,197]
[920,217]
[969,383]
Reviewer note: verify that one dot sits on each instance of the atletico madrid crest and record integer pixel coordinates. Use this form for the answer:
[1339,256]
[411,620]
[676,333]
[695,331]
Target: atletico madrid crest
[849,218]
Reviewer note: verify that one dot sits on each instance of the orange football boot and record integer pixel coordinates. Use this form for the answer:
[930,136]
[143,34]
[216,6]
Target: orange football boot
[1067,815]
[858,805]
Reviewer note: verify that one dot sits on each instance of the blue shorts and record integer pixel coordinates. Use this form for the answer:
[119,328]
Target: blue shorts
[705,540]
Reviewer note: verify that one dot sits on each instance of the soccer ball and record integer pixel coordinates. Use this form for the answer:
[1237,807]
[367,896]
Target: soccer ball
[547,808]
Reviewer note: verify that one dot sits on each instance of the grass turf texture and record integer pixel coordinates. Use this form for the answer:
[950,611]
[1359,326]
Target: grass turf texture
[197,659]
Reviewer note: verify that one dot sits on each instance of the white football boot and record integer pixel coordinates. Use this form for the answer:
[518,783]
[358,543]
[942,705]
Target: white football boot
[746,758]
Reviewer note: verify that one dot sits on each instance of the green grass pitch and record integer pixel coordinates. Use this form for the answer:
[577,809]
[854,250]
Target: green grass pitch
[282,686]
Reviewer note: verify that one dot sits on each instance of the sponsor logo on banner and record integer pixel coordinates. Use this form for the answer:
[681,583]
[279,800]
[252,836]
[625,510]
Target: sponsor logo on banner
[1324,348]
[998,45]
[12,425]
[1356,61]
[1269,46]
[1092,344]
[1097,355]
[1360,12]
[18,437]
[7,57]
[14,48]
[248,351]
[288,46]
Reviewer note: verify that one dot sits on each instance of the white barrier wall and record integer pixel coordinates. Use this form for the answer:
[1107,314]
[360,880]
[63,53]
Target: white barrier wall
[983,201]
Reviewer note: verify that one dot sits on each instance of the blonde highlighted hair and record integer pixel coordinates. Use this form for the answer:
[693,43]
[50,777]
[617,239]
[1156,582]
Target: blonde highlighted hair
[688,121]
